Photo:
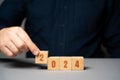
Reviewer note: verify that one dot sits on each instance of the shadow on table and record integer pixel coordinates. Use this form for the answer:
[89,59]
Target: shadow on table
[18,63]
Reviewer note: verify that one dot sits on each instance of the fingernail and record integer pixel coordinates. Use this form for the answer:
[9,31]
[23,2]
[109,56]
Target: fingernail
[36,52]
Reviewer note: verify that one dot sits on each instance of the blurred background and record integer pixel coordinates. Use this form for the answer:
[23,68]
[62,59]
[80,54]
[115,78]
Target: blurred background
[23,55]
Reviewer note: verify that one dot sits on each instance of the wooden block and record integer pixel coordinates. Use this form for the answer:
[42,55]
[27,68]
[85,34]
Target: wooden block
[77,63]
[41,58]
[53,63]
[65,63]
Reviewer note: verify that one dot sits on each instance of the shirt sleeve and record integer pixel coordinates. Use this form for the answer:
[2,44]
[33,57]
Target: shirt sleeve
[12,12]
[111,38]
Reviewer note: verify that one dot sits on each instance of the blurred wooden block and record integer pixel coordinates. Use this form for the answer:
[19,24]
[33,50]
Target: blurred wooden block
[77,63]
[41,58]
[65,63]
[53,63]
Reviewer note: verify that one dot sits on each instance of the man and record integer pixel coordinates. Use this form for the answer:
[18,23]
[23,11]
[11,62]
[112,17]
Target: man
[63,27]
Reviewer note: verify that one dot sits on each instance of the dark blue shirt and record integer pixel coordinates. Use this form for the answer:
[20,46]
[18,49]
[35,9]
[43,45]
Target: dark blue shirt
[67,27]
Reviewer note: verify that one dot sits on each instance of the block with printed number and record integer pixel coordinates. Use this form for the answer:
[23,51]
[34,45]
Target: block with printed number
[41,58]
[65,63]
[53,63]
[77,63]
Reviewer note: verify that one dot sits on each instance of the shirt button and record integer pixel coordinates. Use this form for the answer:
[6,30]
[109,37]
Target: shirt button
[65,7]
[61,44]
[62,25]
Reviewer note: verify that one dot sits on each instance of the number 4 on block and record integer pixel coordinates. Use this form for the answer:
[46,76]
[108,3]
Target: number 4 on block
[77,63]
[41,58]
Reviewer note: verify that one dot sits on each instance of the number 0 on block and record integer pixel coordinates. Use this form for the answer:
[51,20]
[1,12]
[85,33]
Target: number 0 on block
[53,63]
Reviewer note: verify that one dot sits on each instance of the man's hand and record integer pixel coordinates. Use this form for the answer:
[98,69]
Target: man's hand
[15,40]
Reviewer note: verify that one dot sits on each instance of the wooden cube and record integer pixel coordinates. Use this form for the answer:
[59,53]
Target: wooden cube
[65,63]
[77,63]
[53,63]
[41,58]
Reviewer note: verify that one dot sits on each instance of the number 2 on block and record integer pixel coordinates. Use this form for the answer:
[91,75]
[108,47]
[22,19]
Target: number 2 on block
[65,64]
[41,57]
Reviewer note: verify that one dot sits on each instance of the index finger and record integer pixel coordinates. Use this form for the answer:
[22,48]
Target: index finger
[30,44]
